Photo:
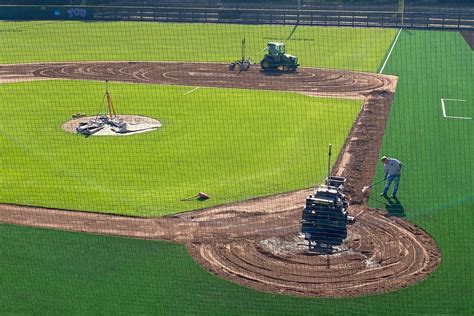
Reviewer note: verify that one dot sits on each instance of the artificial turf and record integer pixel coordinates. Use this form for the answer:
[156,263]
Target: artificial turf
[229,144]
[57,273]
[343,48]
[436,188]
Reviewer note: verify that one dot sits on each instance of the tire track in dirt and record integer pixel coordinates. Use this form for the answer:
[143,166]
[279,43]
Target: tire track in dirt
[255,243]
[363,266]
[311,81]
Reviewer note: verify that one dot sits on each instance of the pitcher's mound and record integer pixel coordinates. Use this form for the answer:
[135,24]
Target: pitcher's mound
[135,124]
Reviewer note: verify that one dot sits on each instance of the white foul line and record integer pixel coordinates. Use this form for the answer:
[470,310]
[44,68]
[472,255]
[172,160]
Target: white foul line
[390,52]
[191,91]
[443,107]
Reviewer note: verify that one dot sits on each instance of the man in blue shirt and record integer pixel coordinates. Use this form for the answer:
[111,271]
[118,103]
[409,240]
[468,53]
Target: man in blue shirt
[392,170]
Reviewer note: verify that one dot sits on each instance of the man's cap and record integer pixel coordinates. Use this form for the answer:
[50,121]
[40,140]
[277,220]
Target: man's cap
[383,158]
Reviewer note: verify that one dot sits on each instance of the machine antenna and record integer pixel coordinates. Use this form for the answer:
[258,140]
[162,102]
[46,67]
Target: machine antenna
[329,162]
[110,107]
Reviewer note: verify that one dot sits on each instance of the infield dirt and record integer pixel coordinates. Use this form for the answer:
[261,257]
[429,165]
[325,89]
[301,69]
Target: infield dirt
[255,243]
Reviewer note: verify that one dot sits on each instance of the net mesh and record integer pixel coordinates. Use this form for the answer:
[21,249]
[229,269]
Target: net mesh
[217,157]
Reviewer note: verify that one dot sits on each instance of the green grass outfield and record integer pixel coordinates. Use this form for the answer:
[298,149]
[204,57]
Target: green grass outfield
[230,144]
[343,48]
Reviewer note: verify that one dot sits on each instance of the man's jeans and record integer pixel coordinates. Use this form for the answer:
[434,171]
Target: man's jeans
[390,179]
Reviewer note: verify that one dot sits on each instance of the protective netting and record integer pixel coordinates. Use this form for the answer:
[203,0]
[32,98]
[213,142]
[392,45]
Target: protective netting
[222,158]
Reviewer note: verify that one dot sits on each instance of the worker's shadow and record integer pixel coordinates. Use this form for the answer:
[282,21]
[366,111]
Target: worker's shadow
[394,207]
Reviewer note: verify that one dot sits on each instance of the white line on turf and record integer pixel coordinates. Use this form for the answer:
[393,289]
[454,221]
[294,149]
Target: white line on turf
[191,91]
[443,108]
[390,52]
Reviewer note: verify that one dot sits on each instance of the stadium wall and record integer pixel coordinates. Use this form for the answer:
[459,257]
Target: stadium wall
[415,20]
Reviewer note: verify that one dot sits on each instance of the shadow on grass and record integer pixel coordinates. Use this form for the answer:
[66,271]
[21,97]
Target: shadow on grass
[393,206]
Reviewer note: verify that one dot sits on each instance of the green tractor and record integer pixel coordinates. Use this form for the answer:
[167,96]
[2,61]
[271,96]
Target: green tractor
[276,58]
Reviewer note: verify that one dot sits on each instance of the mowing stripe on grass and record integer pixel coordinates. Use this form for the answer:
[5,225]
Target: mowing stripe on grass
[390,51]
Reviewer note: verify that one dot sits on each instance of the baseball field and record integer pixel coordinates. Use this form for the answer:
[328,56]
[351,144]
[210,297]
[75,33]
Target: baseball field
[238,137]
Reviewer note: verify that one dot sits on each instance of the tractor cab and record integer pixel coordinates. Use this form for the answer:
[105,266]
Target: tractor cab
[276,49]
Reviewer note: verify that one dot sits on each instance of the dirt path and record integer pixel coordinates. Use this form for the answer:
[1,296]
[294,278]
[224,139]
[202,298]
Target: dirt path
[255,243]
[306,80]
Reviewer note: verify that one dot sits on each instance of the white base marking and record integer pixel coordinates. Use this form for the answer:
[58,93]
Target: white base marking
[443,108]
[390,52]
[191,91]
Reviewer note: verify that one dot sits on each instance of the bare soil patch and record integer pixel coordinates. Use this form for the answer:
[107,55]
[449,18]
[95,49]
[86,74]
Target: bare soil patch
[469,37]
[255,243]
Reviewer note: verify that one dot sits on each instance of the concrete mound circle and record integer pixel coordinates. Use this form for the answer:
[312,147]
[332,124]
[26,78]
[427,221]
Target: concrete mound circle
[136,124]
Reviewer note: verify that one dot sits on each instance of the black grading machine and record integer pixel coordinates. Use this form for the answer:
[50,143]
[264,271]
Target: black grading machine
[325,215]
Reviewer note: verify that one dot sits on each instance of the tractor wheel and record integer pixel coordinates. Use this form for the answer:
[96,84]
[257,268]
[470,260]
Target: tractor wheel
[265,64]
[231,66]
